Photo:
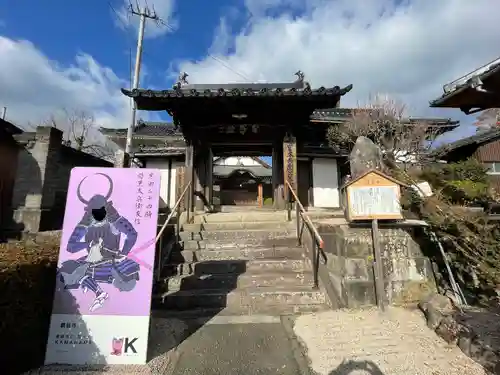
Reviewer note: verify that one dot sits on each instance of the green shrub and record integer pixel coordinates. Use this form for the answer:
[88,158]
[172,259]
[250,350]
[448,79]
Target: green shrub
[27,280]
[471,242]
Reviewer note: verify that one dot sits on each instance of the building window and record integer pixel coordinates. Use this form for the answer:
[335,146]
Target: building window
[493,168]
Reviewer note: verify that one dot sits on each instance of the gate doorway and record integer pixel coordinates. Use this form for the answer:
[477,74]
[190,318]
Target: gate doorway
[242,181]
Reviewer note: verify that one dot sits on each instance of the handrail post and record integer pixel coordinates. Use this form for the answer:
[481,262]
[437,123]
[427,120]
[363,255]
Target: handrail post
[298,217]
[160,260]
[315,260]
[178,224]
[288,201]
[188,207]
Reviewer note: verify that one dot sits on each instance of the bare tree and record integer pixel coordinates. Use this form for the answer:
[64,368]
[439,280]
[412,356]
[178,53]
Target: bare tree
[488,119]
[81,132]
[405,142]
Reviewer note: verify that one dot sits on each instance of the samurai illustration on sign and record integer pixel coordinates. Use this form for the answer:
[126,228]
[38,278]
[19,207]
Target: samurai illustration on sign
[99,233]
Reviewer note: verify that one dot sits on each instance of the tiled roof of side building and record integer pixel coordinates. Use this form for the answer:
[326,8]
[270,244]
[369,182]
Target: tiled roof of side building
[477,89]
[478,139]
[146,129]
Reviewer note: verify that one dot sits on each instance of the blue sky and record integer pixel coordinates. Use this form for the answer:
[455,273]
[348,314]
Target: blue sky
[74,54]
[91,27]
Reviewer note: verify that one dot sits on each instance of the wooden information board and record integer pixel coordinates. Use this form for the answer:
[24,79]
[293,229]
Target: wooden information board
[374,196]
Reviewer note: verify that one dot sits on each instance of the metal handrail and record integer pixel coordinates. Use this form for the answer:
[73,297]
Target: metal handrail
[317,240]
[176,207]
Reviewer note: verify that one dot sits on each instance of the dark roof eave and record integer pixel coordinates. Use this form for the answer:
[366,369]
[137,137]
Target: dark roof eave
[9,127]
[168,97]
[159,154]
[458,88]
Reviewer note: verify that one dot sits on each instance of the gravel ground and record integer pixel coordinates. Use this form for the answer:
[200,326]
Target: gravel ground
[362,342]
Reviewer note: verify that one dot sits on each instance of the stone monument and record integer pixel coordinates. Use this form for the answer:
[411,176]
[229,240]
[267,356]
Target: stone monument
[365,155]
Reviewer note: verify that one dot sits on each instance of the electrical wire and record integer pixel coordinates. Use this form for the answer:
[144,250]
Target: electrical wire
[224,64]
[159,22]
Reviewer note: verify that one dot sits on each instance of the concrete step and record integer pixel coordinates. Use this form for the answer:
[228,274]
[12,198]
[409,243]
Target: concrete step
[239,234]
[235,281]
[250,298]
[244,242]
[241,225]
[214,267]
[206,314]
[237,253]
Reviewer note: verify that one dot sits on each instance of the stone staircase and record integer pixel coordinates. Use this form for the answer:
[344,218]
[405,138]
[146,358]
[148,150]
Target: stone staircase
[238,264]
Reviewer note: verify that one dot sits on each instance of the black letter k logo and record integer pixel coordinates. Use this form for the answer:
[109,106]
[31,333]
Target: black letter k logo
[129,345]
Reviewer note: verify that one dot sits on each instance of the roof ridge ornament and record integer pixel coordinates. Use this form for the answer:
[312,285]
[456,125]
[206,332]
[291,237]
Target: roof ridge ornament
[300,76]
[181,81]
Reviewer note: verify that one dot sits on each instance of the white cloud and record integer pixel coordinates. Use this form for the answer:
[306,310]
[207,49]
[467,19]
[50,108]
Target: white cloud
[33,87]
[407,51]
[164,9]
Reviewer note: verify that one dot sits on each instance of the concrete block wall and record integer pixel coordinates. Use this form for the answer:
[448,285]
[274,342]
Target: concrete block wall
[408,274]
[44,166]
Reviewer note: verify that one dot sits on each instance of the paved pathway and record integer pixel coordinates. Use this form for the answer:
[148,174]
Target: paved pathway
[364,342]
[238,346]
[359,342]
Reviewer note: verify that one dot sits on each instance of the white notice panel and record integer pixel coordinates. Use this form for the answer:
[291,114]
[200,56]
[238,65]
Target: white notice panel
[374,201]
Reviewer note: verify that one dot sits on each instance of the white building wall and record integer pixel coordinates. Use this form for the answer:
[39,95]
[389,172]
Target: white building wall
[167,197]
[325,183]
[237,160]
[173,189]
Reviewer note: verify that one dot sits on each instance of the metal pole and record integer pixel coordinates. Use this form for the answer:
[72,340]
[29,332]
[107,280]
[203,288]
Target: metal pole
[4,112]
[135,84]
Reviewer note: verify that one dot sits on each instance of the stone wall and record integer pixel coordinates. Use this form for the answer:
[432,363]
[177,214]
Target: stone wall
[8,165]
[408,274]
[44,166]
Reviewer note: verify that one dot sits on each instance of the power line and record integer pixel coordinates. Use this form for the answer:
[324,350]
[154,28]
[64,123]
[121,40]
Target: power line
[125,26]
[159,22]
[223,63]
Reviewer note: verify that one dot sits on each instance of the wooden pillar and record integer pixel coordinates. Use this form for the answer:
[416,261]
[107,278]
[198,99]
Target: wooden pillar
[290,164]
[199,177]
[189,177]
[277,166]
[260,198]
[209,172]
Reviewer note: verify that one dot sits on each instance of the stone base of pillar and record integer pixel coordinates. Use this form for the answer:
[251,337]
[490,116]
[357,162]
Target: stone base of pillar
[279,200]
[198,204]
[29,218]
[121,159]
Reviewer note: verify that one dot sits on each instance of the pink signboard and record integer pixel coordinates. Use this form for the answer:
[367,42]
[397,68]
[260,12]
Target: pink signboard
[105,269]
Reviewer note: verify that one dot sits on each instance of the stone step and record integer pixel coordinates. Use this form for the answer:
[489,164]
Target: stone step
[241,225]
[251,298]
[244,242]
[235,281]
[264,216]
[214,267]
[237,254]
[206,314]
[239,234]
[247,216]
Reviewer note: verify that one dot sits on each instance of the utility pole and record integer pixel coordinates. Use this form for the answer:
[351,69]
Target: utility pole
[143,13]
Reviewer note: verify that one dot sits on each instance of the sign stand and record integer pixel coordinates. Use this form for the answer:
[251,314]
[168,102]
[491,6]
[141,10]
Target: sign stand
[102,300]
[379,270]
[374,196]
